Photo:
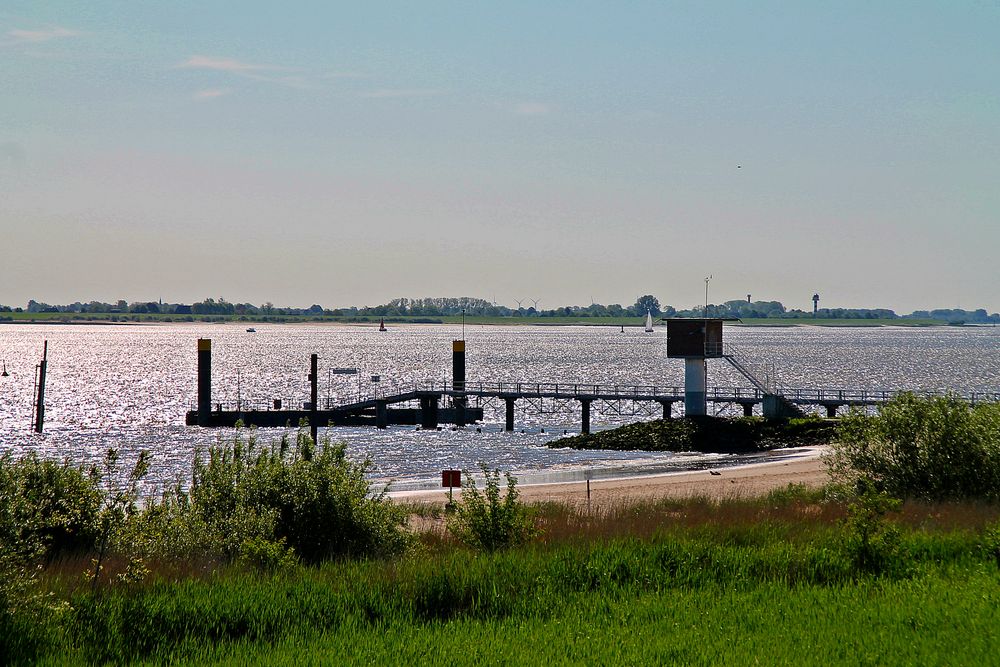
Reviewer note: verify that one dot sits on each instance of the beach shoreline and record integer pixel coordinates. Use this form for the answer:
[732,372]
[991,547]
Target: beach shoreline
[805,467]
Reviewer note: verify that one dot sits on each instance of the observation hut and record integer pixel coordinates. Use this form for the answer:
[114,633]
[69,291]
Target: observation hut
[695,340]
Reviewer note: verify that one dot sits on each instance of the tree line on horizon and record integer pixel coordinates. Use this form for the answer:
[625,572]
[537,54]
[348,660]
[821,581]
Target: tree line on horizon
[450,306]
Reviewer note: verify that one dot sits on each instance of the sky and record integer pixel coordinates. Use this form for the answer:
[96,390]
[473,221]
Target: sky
[571,152]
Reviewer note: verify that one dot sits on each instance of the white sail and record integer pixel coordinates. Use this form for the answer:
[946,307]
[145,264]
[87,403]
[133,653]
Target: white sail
[649,322]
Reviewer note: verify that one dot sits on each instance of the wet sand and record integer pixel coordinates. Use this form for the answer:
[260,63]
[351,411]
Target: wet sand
[804,466]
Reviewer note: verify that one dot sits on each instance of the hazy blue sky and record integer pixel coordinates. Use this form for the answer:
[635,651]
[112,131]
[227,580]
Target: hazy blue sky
[349,153]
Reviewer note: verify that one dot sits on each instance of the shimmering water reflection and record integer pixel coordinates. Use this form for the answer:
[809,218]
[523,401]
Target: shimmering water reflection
[128,387]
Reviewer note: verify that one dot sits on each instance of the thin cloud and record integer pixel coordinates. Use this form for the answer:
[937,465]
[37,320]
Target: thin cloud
[276,74]
[212,93]
[386,93]
[532,109]
[227,65]
[37,36]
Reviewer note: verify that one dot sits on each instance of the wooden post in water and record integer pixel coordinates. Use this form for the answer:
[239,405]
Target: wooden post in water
[313,396]
[458,376]
[40,398]
[204,381]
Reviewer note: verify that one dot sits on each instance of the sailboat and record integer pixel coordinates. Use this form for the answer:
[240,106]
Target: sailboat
[649,322]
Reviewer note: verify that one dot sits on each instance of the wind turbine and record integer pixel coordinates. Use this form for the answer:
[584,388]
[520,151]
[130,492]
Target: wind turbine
[519,301]
[535,302]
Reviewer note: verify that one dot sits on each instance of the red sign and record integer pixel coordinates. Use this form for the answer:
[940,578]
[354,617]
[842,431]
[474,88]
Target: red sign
[451,478]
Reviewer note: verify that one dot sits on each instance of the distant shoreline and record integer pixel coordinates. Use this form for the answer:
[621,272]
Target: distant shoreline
[451,320]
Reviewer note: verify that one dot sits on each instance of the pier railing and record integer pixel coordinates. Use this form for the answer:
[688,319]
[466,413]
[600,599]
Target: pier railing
[406,391]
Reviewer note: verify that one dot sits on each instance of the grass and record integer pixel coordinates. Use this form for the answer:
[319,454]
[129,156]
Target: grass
[693,581]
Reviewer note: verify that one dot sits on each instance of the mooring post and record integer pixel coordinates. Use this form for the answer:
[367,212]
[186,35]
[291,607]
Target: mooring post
[458,379]
[313,396]
[585,416]
[204,381]
[40,399]
[509,409]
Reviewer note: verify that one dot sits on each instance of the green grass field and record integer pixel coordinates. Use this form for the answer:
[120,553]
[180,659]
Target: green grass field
[773,580]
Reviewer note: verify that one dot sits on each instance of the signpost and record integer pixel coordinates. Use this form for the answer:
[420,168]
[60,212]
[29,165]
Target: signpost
[451,479]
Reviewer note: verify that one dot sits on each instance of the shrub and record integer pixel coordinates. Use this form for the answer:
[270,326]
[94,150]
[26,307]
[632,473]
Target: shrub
[991,542]
[485,520]
[46,509]
[935,448]
[264,503]
[57,504]
[872,542]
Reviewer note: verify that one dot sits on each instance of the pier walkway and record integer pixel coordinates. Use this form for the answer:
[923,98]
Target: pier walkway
[466,402]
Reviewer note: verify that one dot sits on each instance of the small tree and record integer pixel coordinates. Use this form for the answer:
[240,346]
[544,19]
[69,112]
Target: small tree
[647,303]
[484,520]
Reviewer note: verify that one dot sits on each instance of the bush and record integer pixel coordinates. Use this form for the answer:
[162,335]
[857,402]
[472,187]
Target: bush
[935,448]
[56,504]
[485,521]
[872,543]
[47,509]
[263,503]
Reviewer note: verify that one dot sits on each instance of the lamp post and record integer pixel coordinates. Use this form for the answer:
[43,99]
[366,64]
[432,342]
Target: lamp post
[706,294]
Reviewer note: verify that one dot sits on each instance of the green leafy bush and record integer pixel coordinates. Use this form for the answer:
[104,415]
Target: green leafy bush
[485,520]
[264,503]
[873,543]
[47,509]
[935,448]
[57,504]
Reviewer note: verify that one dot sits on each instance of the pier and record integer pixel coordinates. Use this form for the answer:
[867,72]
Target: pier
[432,404]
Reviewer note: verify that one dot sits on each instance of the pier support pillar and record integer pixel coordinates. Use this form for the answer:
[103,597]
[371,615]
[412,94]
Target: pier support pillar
[831,411]
[509,410]
[204,381]
[381,414]
[748,409]
[695,387]
[667,405]
[429,412]
[585,416]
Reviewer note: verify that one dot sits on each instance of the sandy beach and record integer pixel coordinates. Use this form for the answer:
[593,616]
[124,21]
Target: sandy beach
[803,466]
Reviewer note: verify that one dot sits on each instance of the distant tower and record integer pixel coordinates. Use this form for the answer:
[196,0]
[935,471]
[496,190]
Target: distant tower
[748,298]
[815,304]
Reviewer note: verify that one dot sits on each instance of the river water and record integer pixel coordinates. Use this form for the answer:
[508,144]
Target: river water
[128,387]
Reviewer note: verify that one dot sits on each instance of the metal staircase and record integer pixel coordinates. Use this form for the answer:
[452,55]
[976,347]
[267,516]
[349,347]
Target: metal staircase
[775,403]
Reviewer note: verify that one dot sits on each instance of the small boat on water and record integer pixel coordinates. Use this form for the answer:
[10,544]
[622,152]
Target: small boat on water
[251,330]
[381,325]
[649,322]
